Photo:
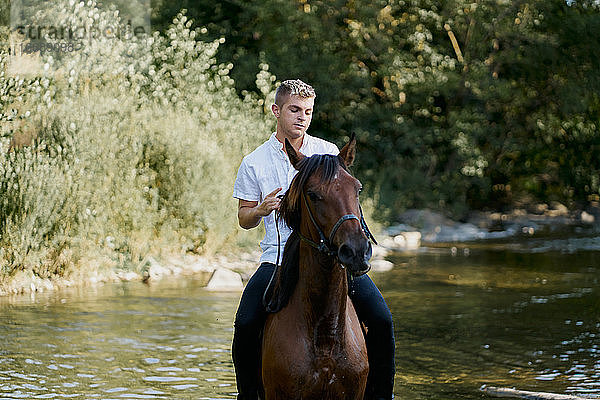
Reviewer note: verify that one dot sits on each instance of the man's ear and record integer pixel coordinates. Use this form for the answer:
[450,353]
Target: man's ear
[275,110]
[348,152]
[294,156]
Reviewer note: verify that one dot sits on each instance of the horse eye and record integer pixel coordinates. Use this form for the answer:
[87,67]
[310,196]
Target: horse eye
[313,196]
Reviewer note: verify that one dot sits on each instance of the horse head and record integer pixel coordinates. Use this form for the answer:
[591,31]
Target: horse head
[326,192]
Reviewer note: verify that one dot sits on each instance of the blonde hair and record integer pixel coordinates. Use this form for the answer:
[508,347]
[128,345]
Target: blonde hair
[293,87]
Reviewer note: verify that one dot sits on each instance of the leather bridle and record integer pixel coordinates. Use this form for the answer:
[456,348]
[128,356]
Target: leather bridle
[325,245]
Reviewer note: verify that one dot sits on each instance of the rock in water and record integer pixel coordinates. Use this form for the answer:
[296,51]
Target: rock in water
[225,279]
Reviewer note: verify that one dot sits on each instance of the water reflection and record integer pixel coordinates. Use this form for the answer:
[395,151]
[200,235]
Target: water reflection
[463,319]
[495,317]
[123,341]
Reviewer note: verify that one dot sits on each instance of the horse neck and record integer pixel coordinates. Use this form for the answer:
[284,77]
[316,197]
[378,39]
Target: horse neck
[323,291]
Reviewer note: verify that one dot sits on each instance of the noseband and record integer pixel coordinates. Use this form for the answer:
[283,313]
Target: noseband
[325,245]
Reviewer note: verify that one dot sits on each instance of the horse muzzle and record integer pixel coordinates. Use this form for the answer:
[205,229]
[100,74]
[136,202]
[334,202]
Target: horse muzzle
[355,257]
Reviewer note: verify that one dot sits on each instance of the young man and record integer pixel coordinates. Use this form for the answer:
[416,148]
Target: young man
[265,174]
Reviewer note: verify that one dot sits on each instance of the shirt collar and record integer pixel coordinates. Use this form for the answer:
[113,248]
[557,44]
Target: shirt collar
[277,145]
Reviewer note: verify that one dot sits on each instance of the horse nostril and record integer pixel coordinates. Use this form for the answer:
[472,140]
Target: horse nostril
[345,254]
[369,252]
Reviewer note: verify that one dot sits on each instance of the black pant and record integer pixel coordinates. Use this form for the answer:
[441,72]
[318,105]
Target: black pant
[370,307]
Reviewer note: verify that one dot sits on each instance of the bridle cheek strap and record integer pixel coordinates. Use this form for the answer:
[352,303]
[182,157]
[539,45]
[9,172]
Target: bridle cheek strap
[323,245]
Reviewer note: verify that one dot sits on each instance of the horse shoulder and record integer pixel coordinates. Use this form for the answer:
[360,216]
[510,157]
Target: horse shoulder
[356,348]
[283,342]
[354,329]
[284,357]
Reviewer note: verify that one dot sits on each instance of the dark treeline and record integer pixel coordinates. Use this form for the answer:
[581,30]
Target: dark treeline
[457,105]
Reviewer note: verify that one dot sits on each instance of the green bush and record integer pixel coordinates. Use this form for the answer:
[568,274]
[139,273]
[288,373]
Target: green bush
[135,150]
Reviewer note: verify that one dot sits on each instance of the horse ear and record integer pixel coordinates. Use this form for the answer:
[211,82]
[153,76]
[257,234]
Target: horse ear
[348,152]
[295,156]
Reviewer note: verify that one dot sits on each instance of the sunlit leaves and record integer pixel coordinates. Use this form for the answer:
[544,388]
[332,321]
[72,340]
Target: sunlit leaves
[135,149]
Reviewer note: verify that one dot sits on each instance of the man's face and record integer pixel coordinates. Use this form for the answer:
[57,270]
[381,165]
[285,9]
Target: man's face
[294,116]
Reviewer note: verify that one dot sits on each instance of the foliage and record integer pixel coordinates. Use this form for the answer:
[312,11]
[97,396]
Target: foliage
[498,118]
[133,143]
[134,147]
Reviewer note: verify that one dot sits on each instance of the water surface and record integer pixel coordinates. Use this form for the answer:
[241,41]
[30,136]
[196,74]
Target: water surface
[464,317]
[497,317]
[164,341]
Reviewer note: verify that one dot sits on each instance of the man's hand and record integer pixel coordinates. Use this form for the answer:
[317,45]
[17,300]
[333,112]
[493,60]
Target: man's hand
[250,212]
[270,203]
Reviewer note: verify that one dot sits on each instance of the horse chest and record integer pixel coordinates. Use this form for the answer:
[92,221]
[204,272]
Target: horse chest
[334,378]
[334,363]
[308,356]
[326,365]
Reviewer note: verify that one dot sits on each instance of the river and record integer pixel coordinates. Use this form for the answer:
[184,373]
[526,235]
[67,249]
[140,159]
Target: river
[481,314]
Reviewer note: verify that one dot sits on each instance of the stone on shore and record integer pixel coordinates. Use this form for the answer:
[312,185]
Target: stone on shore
[587,218]
[379,252]
[403,241]
[408,240]
[381,265]
[155,270]
[123,276]
[190,265]
[224,279]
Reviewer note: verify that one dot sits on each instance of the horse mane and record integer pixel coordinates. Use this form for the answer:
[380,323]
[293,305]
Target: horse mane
[286,276]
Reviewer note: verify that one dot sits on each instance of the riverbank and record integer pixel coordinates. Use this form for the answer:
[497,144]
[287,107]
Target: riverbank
[217,273]
[152,268]
[416,228]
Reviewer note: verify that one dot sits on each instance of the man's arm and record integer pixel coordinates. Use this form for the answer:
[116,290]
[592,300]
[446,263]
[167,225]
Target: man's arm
[250,212]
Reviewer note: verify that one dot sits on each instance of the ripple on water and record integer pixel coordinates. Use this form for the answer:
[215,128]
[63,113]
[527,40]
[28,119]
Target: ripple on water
[184,387]
[169,369]
[152,391]
[166,379]
[21,376]
[115,390]
[548,377]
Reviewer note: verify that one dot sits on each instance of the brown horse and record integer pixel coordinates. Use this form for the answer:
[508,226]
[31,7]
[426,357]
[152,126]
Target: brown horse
[313,346]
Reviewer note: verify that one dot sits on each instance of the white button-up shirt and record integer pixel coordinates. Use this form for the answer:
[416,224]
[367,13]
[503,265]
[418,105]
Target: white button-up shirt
[266,169]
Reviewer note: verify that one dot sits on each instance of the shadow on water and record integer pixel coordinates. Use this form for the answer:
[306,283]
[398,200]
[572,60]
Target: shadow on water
[491,315]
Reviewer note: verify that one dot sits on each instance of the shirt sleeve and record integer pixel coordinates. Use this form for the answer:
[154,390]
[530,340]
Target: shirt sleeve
[246,185]
[333,149]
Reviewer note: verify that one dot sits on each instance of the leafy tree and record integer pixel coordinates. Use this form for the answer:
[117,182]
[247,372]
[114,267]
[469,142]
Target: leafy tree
[458,104]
